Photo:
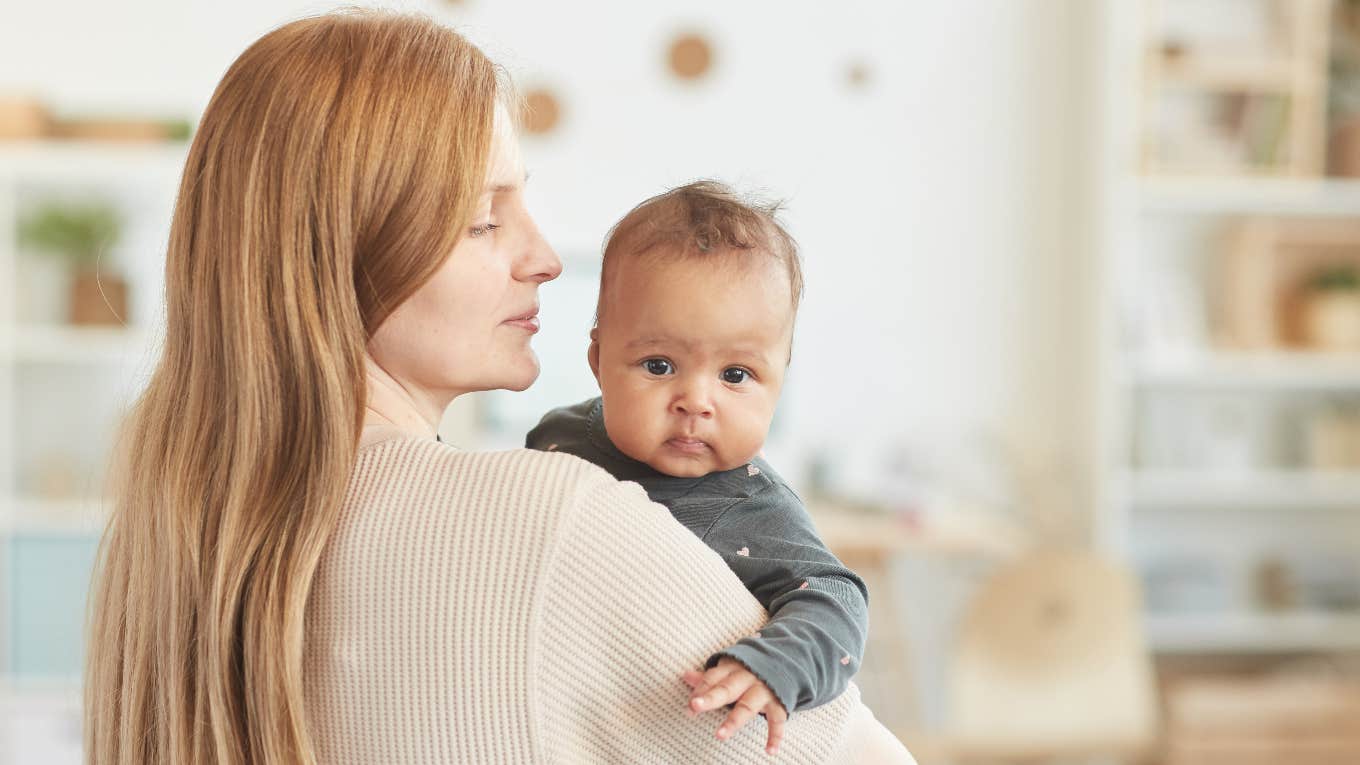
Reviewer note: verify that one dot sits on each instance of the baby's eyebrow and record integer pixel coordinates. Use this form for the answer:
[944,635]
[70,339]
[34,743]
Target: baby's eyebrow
[643,342]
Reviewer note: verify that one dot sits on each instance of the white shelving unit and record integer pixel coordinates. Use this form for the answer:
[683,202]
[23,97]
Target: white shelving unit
[42,711]
[1321,198]
[41,723]
[1233,492]
[1299,632]
[1284,372]
[1248,510]
[82,162]
[55,516]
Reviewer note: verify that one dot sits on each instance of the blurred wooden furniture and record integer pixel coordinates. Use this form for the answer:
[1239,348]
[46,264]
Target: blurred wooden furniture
[1299,718]
[22,118]
[868,542]
[1276,93]
[1196,503]
[1265,264]
[1050,665]
[879,536]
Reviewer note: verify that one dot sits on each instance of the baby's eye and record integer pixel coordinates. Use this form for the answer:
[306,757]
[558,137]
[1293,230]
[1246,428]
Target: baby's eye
[735,375]
[658,366]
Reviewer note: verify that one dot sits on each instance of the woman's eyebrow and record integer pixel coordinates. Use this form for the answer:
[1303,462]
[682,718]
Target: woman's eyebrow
[503,187]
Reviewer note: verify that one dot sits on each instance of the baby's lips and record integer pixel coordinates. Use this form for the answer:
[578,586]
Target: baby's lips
[684,444]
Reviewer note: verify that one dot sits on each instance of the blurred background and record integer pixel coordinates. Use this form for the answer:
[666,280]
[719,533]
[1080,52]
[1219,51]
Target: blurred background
[1077,378]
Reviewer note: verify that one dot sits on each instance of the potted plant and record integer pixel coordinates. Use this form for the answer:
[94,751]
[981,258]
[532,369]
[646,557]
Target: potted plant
[80,233]
[1344,91]
[1331,309]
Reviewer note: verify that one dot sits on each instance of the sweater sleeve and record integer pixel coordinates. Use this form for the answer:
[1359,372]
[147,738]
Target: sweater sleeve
[632,600]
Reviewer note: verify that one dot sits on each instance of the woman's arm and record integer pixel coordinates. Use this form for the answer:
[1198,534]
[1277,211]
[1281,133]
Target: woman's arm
[631,600]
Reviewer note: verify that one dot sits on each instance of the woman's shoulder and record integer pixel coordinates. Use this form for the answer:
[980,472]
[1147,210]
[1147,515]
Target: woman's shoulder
[420,477]
[439,467]
[432,580]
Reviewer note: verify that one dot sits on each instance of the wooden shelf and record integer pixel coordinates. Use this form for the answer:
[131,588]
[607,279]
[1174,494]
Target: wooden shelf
[1264,195]
[56,690]
[1247,75]
[858,533]
[57,344]
[1290,489]
[84,161]
[44,516]
[1253,632]
[1246,370]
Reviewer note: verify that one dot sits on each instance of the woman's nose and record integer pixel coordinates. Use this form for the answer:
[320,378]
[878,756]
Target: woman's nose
[540,262]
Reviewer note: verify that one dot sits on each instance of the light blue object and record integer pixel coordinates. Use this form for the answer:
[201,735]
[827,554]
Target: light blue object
[48,578]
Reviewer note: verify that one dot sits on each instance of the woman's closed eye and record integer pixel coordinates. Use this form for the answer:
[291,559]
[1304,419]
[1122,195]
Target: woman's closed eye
[658,367]
[484,228]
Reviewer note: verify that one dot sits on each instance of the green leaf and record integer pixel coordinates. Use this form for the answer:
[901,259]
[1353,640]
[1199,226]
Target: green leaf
[75,231]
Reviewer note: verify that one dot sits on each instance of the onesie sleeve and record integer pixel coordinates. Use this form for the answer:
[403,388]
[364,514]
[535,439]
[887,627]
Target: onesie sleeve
[631,600]
[563,429]
[819,616]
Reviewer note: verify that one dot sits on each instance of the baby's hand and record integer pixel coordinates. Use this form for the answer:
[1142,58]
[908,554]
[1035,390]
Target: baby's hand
[730,682]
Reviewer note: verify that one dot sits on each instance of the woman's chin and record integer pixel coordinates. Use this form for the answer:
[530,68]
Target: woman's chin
[523,376]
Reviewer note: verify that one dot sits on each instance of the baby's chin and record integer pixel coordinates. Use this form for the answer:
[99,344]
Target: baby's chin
[680,469]
[689,467]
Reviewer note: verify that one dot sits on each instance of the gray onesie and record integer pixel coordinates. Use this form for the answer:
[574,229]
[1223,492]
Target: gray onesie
[818,608]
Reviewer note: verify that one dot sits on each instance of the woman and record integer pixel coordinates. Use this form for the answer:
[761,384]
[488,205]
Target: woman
[296,570]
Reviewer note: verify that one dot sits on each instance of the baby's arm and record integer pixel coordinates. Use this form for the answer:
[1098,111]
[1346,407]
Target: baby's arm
[818,608]
[630,601]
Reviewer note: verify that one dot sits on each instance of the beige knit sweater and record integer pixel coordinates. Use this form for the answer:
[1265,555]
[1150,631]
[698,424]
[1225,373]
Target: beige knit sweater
[525,607]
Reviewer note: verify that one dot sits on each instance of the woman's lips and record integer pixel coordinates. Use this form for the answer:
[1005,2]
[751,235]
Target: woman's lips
[527,323]
[687,445]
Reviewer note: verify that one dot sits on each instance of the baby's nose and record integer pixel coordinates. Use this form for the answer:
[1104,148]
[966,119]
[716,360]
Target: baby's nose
[693,402]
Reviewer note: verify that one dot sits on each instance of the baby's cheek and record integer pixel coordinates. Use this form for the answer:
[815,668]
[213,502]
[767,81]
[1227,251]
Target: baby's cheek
[751,438]
[630,440]
[735,452]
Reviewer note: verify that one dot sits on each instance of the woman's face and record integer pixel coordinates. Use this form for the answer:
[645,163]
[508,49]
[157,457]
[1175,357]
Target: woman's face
[468,328]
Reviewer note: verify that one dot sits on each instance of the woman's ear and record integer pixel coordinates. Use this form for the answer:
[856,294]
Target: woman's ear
[593,355]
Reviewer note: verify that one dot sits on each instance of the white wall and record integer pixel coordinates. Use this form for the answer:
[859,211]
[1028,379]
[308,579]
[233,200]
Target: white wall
[941,209]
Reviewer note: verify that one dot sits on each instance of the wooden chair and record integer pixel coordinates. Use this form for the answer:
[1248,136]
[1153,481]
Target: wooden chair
[1050,665]
[868,543]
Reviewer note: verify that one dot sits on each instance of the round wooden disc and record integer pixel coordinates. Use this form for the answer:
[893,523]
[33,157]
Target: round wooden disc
[542,111]
[858,75]
[691,56]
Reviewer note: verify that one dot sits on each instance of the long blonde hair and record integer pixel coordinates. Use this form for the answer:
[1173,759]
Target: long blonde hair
[334,169]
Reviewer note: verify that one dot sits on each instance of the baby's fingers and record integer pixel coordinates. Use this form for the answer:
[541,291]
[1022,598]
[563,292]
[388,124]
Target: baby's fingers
[719,685]
[774,721]
[742,712]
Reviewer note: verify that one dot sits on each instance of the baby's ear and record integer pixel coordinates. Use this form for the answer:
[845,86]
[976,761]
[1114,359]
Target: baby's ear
[593,355]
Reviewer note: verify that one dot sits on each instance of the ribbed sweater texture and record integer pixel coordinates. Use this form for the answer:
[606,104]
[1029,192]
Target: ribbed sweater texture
[526,607]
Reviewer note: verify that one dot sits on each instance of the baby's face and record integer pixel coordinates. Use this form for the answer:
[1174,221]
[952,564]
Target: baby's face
[690,355]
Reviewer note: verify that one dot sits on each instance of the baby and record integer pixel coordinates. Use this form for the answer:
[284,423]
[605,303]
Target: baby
[693,333]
